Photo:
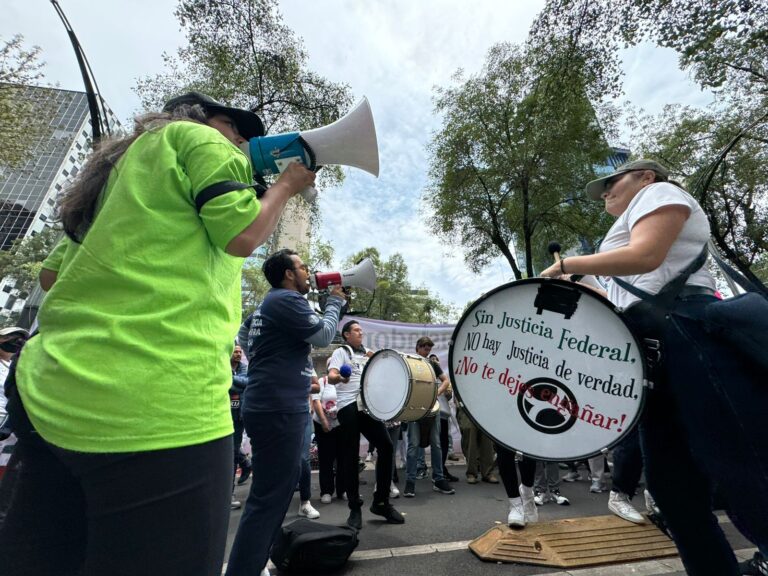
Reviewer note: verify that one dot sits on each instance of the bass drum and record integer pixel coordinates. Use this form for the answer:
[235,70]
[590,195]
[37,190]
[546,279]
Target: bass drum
[549,369]
[397,386]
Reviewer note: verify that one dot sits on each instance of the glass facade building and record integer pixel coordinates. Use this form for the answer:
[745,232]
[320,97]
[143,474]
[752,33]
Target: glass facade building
[28,194]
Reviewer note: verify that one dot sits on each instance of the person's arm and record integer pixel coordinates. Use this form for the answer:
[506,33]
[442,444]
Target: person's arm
[47,278]
[317,408]
[295,178]
[649,243]
[444,384]
[330,319]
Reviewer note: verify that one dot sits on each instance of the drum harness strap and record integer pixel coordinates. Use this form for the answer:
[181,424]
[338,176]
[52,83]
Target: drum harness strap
[649,314]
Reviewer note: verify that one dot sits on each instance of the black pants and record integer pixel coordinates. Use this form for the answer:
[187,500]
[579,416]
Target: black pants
[163,512]
[508,472]
[328,455]
[351,424]
[445,425]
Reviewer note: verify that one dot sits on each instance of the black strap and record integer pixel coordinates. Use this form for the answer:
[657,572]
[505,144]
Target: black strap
[740,279]
[666,296]
[215,190]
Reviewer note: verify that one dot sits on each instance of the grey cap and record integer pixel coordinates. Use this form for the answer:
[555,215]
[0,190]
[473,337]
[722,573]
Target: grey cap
[249,125]
[596,188]
[13,331]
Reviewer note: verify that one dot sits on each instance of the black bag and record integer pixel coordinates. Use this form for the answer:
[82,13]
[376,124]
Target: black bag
[741,323]
[304,546]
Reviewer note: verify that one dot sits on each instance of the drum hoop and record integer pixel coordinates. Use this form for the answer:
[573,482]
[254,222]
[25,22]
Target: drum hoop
[573,285]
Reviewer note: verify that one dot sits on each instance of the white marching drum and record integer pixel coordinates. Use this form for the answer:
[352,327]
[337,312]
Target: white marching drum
[397,386]
[548,368]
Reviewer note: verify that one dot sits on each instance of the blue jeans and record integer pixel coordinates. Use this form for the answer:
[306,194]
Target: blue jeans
[704,428]
[305,475]
[276,441]
[414,437]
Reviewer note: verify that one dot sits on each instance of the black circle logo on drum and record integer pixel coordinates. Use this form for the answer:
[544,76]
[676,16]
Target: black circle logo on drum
[548,406]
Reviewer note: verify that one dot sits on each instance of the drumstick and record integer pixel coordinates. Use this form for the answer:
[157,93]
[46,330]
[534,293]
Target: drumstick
[554,249]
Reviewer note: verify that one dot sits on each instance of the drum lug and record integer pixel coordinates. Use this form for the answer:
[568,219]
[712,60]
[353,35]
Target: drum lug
[604,451]
[648,383]
[518,456]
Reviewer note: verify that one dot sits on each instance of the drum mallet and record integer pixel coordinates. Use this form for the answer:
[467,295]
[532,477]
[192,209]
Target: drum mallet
[554,249]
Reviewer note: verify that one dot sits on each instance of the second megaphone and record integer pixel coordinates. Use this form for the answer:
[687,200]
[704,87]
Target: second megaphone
[350,141]
[363,275]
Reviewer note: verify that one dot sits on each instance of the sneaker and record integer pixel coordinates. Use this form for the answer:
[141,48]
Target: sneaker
[421,474]
[559,498]
[516,517]
[618,503]
[471,479]
[344,496]
[388,511]
[529,506]
[650,504]
[491,478]
[572,476]
[369,457]
[452,457]
[538,498]
[443,487]
[757,566]
[393,491]
[597,486]
[308,511]
[450,477]
[265,572]
[355,519]
[326,498]
[235,505]
[410,489]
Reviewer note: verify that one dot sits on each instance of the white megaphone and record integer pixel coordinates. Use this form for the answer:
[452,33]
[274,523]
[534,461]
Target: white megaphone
[362,275]
[350,141]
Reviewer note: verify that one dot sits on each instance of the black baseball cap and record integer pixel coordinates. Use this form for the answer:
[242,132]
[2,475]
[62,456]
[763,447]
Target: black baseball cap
[248,124]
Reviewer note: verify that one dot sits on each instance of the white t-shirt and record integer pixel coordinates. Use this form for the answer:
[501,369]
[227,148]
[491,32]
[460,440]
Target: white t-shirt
[3,399]
[686,247]
[329,401]
[347,393]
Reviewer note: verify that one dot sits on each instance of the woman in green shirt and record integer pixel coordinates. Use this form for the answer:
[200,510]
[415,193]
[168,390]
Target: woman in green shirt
[128,469]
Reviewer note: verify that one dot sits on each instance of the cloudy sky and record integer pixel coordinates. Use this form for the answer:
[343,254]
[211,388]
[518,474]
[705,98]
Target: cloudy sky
[392,51]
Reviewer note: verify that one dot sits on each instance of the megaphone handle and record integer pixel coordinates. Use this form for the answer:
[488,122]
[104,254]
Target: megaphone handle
[309,194]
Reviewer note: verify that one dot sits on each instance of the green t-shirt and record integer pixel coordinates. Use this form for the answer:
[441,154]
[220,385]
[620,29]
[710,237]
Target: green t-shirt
[136,333]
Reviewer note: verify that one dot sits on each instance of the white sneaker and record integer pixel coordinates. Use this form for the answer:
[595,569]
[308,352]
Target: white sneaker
[529,506]
[597,486]
[559,498]
[539,498]
[516,517]
[326,498]
[235,505]
[394,492]
[618,503]
[308,511]
[369,457]
[650,504]
[265,572]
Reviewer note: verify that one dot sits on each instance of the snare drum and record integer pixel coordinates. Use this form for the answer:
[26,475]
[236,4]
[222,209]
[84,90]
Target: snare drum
[397,386]
[549,369]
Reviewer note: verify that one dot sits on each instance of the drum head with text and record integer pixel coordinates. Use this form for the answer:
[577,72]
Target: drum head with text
[548,368]
[385,384]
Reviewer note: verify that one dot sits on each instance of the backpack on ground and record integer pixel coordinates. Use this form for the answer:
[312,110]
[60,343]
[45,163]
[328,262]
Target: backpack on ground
[312,547]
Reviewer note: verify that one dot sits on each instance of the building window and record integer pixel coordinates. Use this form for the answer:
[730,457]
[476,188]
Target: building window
[7,288]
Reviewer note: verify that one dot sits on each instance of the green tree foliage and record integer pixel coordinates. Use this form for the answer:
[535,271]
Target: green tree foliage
[724,43]
[735,200]
[518,141]
[20,128]
[396,298]
[242,53]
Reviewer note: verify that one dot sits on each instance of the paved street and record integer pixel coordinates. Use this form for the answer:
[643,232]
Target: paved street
[438,528]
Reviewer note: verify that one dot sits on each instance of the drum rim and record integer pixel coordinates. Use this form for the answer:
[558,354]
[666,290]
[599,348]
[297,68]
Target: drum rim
[567,284]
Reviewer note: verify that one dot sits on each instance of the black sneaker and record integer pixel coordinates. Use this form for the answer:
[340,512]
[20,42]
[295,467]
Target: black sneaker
[443,487]
[355,519]
[450,477]
[757,566]
[410,489]
[388,511]
[559,498]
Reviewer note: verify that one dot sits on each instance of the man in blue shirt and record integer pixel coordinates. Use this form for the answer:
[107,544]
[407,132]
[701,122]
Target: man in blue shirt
[275,402]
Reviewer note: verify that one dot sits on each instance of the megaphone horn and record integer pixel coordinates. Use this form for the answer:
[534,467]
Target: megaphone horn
[350,141]
[362,275]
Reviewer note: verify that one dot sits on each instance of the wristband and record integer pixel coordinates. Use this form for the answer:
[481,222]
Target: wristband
[562,266]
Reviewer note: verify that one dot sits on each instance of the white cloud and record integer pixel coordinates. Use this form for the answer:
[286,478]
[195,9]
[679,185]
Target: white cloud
[393,51]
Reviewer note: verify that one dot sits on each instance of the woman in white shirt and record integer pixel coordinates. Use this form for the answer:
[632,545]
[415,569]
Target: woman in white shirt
[702,424]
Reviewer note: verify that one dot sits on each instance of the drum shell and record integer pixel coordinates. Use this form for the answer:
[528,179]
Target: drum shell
[412,388]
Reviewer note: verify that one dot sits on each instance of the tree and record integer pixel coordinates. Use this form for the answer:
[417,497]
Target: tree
[736,198]
[518,141]
[241,53]
[22,263]
[21,122]
[395,297]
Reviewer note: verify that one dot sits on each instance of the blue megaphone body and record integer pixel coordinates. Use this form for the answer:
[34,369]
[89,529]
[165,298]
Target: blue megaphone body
[350,141]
